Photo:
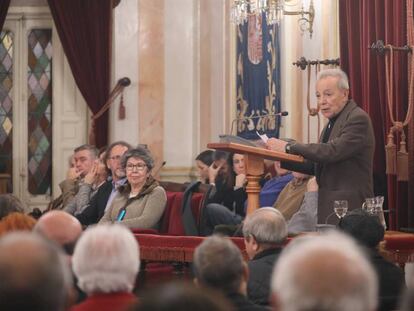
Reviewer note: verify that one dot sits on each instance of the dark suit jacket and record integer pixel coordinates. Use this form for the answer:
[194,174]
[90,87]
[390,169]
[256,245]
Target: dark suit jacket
[96,209]
[241,303]
[260,274]
[391,281]
[343,165]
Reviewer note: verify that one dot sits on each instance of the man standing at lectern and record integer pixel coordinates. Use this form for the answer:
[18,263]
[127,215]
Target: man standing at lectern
[342,160]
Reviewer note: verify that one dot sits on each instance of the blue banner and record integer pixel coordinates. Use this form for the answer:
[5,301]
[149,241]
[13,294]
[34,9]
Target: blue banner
[258,78]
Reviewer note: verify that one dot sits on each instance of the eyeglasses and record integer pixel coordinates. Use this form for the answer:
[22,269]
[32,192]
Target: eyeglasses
[139,167]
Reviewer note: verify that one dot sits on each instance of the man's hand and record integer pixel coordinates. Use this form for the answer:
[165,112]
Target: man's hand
[213,172]
[91,177]
[276,144]
[72,173]
[312,185]
[240,181]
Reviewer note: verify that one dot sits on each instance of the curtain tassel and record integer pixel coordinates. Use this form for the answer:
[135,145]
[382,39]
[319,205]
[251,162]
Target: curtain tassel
[390,155]
[91,135]
[402,160]
[121,110]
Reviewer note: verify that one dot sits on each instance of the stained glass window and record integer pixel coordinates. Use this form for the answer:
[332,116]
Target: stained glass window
[6,102]
[40,111]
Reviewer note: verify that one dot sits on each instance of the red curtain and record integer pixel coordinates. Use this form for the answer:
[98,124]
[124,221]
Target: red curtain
[85,29]
[4,7]
[362,23]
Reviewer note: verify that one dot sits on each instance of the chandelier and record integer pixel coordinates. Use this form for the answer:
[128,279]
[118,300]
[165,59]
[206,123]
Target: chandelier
[273,10]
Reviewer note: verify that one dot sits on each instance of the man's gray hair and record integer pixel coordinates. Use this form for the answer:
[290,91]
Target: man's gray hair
[218,264]
[266,225]
[34,273]
[106,259]
[92,150]
[335,72]
[324,273]
[139,152]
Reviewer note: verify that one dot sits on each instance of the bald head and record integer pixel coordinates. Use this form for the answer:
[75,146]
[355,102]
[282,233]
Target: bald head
[324,273]
[42,278]
[59,227]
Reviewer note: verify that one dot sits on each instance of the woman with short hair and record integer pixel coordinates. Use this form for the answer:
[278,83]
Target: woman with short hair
[141,201]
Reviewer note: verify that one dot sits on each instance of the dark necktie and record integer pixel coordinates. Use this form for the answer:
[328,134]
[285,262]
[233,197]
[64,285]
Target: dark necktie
[328,130]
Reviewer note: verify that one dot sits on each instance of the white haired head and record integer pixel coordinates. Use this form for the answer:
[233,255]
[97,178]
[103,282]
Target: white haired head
[335,72]
[324,273]
[106,259]
[267,225]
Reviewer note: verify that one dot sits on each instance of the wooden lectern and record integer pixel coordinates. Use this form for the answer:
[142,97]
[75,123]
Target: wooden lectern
[253,160]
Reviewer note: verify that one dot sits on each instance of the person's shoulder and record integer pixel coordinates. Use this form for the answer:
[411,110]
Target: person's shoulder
[356,110]
[158,190]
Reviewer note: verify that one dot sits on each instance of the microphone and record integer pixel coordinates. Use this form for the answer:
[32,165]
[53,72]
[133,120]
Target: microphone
[124,81]
[158,169]
[279,114]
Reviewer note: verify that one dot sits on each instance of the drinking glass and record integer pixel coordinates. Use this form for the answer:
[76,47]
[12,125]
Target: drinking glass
[369,205]
[340,208]
[379,201]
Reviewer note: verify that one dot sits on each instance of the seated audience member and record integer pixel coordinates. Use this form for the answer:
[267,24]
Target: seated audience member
[264,232]
[34,274]
[94,179]
[203,162]
[182,296]
[64,230]
[101,201]
[84,158]
[215,214]
[291,197]
[226,204]
[61,228]
[327,272]
[16,222]
[306,218]
[141,201]
[9,203]
[106,262]
[369,232]
[218,264]
[272,188]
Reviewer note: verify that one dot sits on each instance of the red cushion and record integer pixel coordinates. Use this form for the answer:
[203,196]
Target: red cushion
[196,205]
[171,222]
[166,216]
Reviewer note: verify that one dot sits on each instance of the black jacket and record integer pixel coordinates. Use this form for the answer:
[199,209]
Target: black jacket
[391,281]
[96,208]
[230,198]
[260,274]
[241,303]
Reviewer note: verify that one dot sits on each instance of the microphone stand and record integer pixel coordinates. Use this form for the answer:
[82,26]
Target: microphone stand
[118,89]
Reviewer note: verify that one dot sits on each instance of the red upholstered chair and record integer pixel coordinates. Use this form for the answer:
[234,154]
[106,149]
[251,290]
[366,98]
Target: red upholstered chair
[171,223]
